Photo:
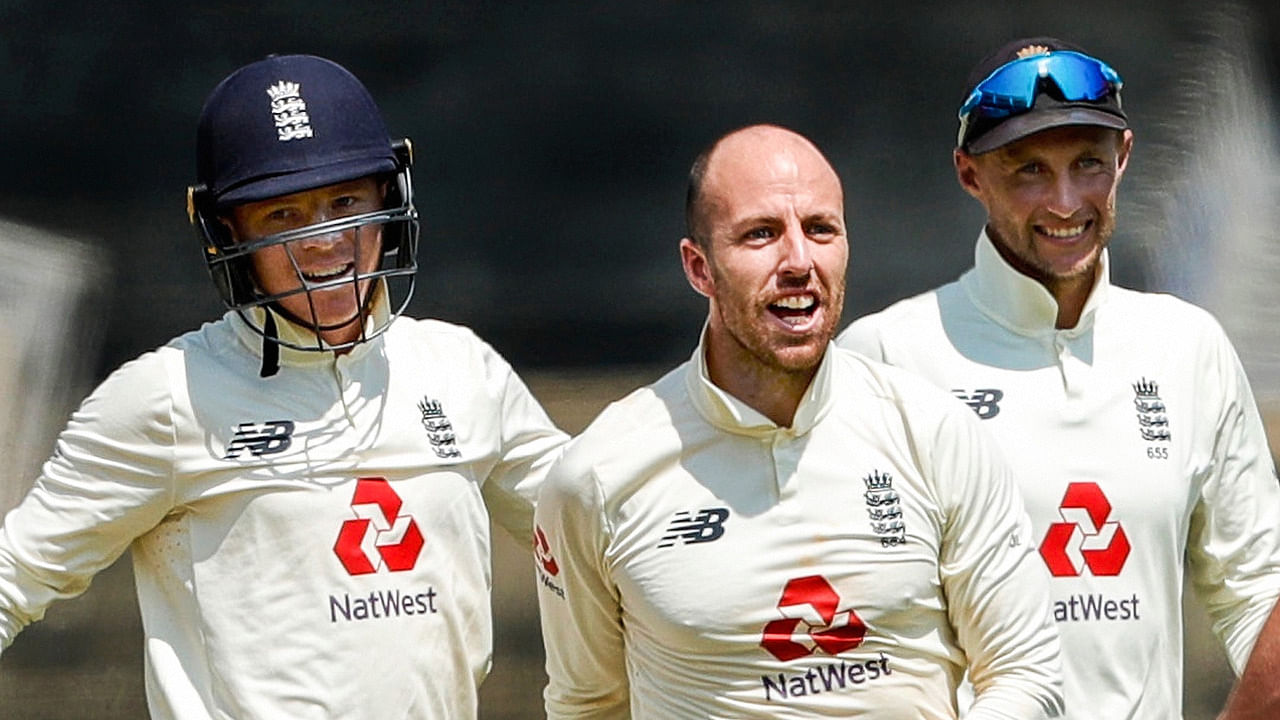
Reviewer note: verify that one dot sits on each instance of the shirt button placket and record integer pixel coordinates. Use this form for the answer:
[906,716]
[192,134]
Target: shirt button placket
[348,389]
[1074,371]
[784,461]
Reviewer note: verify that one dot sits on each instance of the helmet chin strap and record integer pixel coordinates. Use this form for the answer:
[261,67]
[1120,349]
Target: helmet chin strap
[270,348]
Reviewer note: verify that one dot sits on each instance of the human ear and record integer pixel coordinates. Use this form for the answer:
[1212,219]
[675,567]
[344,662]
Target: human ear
[697,271]
[230,226]
[967,172]
[1126,147]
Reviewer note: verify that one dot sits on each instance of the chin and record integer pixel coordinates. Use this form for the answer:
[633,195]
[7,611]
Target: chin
[1085,267]
[800,358]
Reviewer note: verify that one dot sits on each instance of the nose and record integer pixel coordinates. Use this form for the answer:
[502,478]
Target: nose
[320,241]
[326,239]
[1064,196]
[797,256]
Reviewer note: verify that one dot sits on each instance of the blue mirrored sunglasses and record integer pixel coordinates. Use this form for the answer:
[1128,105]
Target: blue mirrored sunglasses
[1013,87]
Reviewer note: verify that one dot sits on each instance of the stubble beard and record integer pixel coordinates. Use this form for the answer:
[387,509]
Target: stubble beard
[769,354]
[1033,264]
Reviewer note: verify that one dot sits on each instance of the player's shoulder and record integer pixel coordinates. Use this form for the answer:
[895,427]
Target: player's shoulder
[870,384]
[1177,320]
[440,343]
[433,331]
[628,433]
[904,319]
[211,338]
[1159,307]
[143,389]
[644,412]
[867,375]
[151,368]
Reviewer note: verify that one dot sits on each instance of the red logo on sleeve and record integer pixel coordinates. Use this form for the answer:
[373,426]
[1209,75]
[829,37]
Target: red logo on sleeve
[1085,538]
[379,535]
[542,550]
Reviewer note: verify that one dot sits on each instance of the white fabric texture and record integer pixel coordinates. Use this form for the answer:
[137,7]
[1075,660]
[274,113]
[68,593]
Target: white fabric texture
[1135,440]
[698,561]
[313,544]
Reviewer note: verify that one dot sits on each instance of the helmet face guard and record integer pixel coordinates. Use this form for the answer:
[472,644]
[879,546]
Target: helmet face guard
[393,275]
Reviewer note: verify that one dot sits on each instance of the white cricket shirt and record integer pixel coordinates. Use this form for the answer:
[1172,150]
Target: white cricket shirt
[314,544]
[694,560]
[1135,440]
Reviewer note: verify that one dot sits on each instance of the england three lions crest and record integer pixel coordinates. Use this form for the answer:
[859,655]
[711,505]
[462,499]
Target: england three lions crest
[289,111]
[439,429]
[884,508]
[1153,420]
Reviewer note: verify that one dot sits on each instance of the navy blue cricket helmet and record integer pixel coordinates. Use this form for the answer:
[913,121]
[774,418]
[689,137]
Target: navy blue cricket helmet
[287,124]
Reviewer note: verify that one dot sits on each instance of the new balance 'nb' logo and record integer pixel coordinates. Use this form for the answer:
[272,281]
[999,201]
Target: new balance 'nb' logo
[260,439]
[985,403]
[706,526]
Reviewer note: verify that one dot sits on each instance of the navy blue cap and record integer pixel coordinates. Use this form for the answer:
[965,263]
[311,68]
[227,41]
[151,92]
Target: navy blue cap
[984,135]
[285,124]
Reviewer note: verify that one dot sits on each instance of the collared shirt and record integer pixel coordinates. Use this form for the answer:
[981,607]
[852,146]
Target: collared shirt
[695,560]
[1135,441]
[313,544]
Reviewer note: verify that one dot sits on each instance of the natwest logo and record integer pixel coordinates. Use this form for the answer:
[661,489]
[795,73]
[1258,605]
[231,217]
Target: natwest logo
[813,621]
[379,535]
[542,551]
[1085,538]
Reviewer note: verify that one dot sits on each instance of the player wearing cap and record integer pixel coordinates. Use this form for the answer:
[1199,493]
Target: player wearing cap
[1128,418]
[305,484]
[779,528]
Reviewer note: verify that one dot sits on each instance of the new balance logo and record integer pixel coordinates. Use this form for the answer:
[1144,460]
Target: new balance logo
[686,528]
[268,438]
[985,403]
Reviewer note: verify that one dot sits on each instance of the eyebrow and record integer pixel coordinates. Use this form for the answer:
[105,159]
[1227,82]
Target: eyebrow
[773,219]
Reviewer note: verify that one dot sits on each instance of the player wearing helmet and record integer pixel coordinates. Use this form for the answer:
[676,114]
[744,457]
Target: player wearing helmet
[305,206]
[306,484]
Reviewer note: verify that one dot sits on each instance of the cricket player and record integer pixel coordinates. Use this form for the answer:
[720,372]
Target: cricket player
[305,484]
[1132,430]
[779,528]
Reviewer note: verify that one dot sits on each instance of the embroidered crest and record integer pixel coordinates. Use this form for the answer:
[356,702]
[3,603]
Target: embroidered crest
[885,509]
[290,111]
[439,429]
[1153,423]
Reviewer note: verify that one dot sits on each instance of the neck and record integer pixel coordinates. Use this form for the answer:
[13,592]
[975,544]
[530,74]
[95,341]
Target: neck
[341,336]
[772,391]
[1071,295]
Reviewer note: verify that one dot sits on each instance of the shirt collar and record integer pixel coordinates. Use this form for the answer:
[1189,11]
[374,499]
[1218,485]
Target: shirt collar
[1018,302]
[730,414]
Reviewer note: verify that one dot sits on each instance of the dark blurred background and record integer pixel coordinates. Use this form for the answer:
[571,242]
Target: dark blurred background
[553,139]
[552,143]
